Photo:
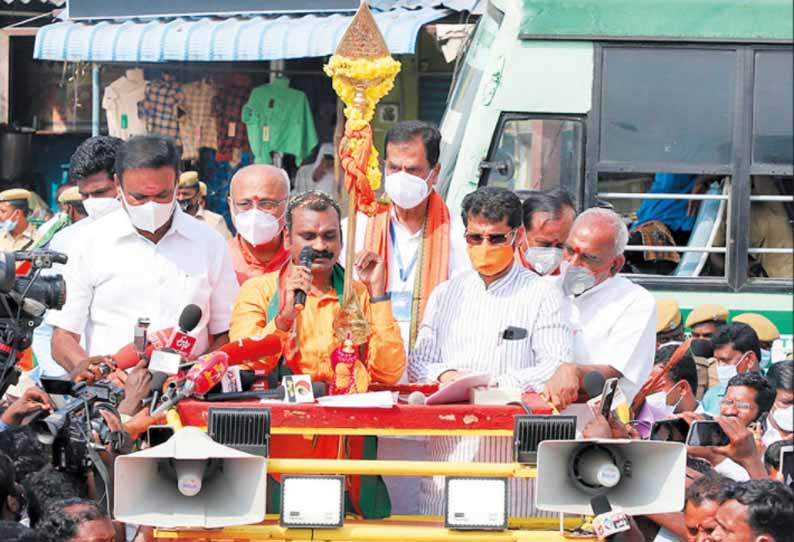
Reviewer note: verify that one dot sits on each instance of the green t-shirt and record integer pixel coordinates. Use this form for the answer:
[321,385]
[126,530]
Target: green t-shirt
[279,119]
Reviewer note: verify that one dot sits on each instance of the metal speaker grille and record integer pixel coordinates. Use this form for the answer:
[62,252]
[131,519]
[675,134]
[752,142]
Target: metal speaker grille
[529,431]
[244,429]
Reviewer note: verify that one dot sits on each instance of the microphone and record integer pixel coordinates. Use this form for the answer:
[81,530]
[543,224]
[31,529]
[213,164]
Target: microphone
[594,383]
[158,379]
[205,374]
[305,259]
[128,355]
[608,524]
[252,349]
[318,389]
[180,341]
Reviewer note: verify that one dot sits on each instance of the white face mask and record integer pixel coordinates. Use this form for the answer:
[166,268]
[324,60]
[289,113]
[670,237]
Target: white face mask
[544,260]
[99,207]
[151,215]
[725,373]
[784,418]
[659,402]
[576,280]
[257,227]
[405,190]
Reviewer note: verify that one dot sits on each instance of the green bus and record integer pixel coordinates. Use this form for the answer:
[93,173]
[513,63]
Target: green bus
[607,98]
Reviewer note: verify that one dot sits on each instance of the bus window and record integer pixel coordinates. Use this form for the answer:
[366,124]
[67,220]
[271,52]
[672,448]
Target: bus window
[773,109]
[771,218]
[536,153]
[674,221]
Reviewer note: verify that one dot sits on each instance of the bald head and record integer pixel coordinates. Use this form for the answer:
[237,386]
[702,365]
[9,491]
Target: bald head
[596,242]
[258,178]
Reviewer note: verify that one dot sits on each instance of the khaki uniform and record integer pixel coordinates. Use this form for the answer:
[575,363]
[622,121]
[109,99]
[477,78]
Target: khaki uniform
[23,242]
[214,220]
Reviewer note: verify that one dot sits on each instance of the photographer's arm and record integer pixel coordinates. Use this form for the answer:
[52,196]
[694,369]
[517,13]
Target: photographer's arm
[66,349]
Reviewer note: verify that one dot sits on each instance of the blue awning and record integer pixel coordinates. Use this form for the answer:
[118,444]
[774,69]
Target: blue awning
[213,40]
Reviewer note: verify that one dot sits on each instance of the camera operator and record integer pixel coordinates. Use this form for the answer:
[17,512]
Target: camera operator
[756,511]
[34,399]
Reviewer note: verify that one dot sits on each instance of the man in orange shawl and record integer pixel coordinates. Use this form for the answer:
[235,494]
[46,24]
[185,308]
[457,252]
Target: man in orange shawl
[413,234]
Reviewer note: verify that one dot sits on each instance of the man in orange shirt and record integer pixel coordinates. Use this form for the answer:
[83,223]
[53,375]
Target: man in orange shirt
[258,200]
[266,305]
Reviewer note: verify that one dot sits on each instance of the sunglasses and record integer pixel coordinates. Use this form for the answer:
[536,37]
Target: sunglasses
[493,239]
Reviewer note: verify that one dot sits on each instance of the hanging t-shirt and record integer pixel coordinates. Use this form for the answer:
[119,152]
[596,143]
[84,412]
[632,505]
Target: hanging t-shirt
[120,103]
[228,105]
[279,119]
[197,127]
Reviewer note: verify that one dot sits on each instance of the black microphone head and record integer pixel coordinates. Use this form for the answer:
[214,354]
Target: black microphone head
[158,379]
[600,504]
[306,257]
[594,383]
[190,317]
[319,389]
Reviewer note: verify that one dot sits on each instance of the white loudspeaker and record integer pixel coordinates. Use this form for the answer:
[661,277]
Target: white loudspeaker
[637,476]
[190,481]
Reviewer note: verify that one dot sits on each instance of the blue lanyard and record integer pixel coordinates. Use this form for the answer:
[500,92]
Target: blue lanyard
[404,272]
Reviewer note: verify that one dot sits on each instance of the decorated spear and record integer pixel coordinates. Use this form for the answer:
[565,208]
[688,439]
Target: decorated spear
[362,71]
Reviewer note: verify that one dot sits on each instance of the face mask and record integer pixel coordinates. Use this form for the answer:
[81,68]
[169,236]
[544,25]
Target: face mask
[151,215]
[8,225]
[544,260]
[257,227]
[405,190]
[784,418]
[725,373]
[99,207]
[766,358]
[490,260]
[187,205]
[576,280]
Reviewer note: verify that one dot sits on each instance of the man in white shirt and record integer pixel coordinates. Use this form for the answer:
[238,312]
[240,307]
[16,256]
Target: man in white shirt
[148,259]
[415,235]
[613,319]
[91,167]
[497,319]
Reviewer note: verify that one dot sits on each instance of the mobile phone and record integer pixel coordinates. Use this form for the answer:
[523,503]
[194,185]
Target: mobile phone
[158,434]
[787,465]
[56,386]
[608,393]
[674,430]
[706,433]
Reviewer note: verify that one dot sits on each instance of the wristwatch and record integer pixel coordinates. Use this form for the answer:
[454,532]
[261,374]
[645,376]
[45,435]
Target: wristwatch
[384,297]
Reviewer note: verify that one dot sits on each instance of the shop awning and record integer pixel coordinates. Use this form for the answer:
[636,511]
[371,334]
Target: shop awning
[214,40]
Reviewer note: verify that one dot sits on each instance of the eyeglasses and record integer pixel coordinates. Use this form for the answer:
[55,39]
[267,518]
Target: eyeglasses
[741,405]
[493,238]
[266,205]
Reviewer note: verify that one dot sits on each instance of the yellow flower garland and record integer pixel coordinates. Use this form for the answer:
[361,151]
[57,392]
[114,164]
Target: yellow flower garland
[379,76]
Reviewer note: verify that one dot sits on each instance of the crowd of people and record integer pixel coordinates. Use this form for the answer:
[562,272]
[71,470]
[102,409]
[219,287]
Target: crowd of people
[527,292]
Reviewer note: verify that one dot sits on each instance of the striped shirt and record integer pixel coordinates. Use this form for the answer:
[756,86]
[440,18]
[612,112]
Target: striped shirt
[463,328]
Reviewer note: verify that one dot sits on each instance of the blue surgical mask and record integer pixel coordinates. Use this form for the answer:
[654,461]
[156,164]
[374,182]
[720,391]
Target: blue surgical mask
[8,225]
[766,359]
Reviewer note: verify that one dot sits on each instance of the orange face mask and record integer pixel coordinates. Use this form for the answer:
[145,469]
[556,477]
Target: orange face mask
[490,260]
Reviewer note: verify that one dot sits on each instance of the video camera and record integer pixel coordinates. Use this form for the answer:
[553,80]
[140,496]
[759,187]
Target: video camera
[23,302]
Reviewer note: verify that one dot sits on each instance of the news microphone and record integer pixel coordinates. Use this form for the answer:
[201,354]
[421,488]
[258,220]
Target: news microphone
[205,374]
[252,349]
[305,259]
[594,383]
[180,340]
[608,525]
[128,356]
[158,379]
[277,394]
[140,339]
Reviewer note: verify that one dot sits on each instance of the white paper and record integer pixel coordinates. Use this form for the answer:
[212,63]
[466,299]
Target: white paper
[167,362]
[457,391]
[231,381]
[371,399]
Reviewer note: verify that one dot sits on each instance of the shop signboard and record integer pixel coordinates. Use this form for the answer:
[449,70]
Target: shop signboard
[122,9]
